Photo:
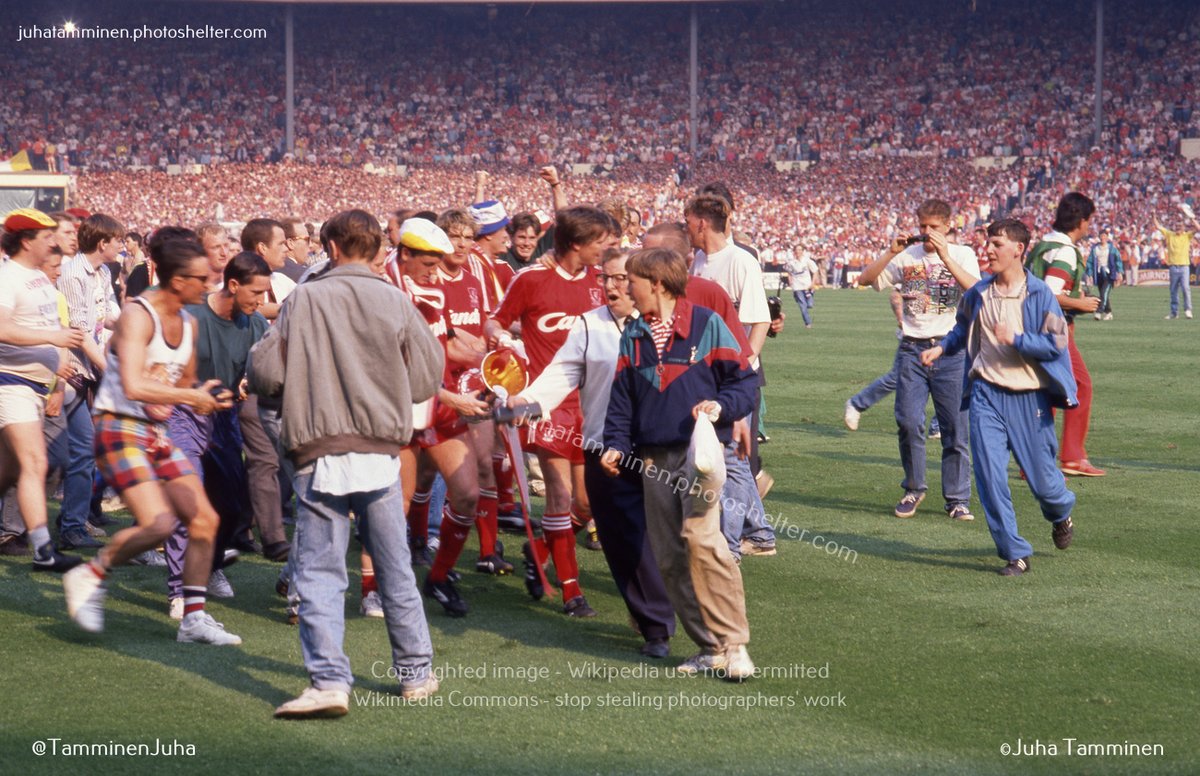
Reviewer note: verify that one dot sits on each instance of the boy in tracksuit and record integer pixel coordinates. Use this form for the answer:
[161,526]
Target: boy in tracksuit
[1017,368]
[673,362]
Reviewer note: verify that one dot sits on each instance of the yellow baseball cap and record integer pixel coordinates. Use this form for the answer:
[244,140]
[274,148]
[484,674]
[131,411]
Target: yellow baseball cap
[419,234]
[27,218]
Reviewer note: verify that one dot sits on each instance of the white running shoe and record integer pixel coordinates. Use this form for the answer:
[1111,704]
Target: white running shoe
[200,628]
[701,663]
[851,417]
[85,594]
[148,558]
[738,665]
[176,609]
[218,585]
[372,605]
[314,704]
[421,690]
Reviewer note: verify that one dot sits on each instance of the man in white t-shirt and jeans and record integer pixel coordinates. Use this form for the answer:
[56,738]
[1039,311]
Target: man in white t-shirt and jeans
[803,277]
[931,275]
[736,271]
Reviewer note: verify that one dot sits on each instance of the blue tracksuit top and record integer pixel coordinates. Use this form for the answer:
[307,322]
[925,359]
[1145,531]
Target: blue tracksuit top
[651,402]
[1044,340]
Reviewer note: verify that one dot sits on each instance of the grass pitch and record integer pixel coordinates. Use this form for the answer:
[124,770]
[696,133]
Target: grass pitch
[887,646]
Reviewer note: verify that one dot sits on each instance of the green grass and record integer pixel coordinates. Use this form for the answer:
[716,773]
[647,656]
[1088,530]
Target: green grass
[939,661]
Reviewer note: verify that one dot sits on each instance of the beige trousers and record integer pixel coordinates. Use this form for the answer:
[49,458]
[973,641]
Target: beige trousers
[702,578]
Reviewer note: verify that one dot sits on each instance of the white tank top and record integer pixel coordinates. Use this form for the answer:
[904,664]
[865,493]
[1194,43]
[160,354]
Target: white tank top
[163,363]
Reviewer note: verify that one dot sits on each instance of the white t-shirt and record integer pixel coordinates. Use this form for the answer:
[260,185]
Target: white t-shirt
[32,301]
[801,273]
[736,271]
[930,293]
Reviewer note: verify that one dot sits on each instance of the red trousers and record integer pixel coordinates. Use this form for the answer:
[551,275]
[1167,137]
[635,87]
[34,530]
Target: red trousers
[1076,421]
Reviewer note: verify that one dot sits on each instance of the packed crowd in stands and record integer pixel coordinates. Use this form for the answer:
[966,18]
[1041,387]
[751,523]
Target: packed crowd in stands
[509,91]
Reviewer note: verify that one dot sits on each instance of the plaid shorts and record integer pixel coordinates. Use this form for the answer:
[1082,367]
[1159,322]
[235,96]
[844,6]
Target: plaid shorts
[131,451]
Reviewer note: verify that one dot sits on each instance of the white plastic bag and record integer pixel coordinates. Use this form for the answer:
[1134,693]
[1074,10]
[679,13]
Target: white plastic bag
[706,458]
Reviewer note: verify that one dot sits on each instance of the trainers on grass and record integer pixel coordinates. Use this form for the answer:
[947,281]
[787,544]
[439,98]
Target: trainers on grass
[84,590]
[218,585]
[200,628]
[851,416]
[702,663]
[960,512]
[757,547]
[1015,568]
[908,505]
[316,704]
[738,665]
[148,558]
[372,605]
[1063,532]
[422,689]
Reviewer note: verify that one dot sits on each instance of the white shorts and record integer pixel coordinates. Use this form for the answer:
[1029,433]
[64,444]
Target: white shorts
[20,404]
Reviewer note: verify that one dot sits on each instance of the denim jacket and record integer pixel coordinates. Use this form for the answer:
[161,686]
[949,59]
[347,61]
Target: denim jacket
[1044,340]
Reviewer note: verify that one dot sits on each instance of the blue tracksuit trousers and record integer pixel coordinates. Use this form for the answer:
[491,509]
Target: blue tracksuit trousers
[1020,421]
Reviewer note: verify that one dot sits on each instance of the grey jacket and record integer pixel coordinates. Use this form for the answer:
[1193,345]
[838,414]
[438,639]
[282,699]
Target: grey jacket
[350,355]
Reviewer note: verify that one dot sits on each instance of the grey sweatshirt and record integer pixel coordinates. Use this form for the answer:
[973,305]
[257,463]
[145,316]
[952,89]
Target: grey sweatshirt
[350,354]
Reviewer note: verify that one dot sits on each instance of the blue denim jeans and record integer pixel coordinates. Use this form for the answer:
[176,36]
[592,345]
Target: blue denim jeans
[319,551]
[877,391]
[804,299]
[1179,285]
[914,385]
[81,465]
[742,513]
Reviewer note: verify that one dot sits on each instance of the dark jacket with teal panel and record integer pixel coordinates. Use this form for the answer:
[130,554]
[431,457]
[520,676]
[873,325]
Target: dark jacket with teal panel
[651,401]
[1044,340]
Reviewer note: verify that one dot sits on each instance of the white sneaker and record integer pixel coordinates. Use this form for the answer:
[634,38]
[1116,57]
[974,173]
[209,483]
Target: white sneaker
[148,558]
[1108,316]
[1098,316]
[315,704]
[701,663]
[1187,314]
[201,628]
[372,605]
[423,690]
[176,609]
[218,585]
[851,417]
[738,665]
[85,597]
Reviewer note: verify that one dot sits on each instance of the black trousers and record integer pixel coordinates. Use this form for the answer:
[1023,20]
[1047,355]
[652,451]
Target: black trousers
[619,510]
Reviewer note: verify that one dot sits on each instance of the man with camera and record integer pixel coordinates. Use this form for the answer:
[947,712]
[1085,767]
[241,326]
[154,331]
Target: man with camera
[931,275]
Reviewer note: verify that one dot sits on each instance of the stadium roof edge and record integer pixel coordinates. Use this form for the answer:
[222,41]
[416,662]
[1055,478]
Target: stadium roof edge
[484,2]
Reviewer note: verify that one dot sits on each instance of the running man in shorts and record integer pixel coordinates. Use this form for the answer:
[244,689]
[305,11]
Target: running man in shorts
[151,362]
